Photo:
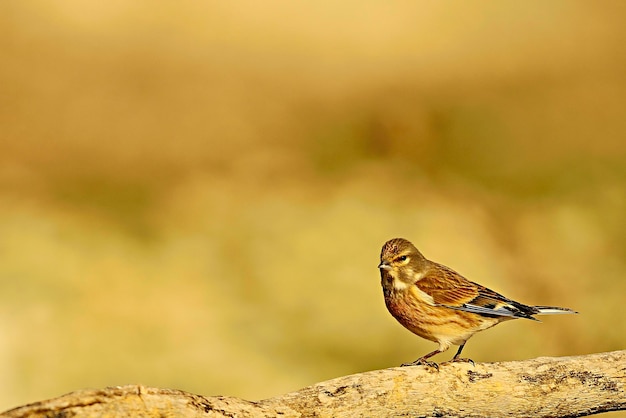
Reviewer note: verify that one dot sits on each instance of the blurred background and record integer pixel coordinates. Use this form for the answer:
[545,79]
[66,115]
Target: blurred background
[193,195]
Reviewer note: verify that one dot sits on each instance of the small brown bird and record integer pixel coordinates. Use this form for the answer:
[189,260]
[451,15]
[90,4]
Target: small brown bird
[437,303]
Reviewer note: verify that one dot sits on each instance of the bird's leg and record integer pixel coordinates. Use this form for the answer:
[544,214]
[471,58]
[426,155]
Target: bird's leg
[457,357]
[423,361]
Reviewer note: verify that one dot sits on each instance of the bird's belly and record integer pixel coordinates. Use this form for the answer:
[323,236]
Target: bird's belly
[435,323]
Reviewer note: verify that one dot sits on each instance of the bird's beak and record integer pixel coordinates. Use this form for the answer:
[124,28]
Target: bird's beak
[384,266]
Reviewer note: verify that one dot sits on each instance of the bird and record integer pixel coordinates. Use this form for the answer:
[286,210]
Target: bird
[438,304]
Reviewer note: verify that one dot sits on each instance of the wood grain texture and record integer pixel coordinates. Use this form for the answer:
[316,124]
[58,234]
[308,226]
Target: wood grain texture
[541,387]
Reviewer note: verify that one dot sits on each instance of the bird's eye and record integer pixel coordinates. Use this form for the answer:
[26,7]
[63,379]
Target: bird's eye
[402,258]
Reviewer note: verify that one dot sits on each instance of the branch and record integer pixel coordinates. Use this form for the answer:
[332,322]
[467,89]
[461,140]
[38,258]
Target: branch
[541,387]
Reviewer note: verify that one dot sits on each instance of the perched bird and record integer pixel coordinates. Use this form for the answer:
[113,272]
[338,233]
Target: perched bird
[437,303]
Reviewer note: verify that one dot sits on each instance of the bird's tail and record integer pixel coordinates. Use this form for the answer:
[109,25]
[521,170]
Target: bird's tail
[553,310]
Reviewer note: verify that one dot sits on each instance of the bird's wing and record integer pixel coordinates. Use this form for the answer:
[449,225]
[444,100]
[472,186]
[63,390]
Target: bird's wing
[448,288]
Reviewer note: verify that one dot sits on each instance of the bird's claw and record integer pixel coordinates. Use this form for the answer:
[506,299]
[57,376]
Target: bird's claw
[461,360]
[421,362]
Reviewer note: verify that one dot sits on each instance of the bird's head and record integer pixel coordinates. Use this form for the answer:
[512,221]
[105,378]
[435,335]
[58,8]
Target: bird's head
[401,264]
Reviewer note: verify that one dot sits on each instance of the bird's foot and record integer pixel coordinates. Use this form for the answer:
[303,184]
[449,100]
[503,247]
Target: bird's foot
[460,360]
[421,362]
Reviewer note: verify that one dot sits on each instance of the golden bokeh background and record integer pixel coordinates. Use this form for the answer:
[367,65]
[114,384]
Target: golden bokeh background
[193,195]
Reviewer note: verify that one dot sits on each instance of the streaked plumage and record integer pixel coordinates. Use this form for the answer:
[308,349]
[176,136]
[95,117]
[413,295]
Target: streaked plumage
[437,303]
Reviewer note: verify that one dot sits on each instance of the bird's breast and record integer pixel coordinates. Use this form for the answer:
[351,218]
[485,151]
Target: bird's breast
[417,312]
[411,312]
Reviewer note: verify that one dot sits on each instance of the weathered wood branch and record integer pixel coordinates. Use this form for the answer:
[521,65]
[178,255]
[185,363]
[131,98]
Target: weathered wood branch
[541,387]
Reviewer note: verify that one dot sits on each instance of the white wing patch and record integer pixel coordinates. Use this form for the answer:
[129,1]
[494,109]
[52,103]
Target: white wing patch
[498,311]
